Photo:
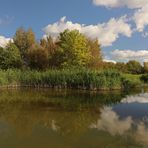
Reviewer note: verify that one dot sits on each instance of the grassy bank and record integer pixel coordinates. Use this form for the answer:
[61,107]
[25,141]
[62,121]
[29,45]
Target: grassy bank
[76,79]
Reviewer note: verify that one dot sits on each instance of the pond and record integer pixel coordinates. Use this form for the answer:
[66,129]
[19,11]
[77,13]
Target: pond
[73,119]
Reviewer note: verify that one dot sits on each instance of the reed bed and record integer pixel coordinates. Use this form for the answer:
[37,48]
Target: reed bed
[62,79]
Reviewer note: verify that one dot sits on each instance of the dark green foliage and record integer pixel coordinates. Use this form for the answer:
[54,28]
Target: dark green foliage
[130,81]
[134,67]
[10,57]
[144,78]
[121,67]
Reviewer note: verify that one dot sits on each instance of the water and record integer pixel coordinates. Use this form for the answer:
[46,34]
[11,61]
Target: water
[73,119]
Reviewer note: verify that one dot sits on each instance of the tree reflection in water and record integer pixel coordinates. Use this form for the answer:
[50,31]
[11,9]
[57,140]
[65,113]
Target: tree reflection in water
[69,119]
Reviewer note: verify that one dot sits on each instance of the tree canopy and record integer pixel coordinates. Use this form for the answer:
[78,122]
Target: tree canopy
[10,57]
[71,49]
[134,67]
[24,40]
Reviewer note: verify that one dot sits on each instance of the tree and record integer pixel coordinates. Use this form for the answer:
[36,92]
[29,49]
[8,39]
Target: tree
[30,38]
[10,57]
[37,58]
[145,67]
[96,55]
[108,65]
[50,46]
[24,40]
[134,67]
[73,49]
[121,67]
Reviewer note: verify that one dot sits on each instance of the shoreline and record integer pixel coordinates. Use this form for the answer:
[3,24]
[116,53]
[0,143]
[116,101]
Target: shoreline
[16,86]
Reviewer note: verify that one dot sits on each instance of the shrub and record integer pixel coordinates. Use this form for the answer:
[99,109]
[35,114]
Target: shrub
[144,78]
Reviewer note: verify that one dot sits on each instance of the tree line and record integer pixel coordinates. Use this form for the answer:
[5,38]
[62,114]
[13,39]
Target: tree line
[71,49]
[132,67]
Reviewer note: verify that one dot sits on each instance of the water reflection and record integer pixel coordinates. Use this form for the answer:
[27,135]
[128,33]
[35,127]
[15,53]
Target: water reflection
[109,121]
[44,118]
[140,98]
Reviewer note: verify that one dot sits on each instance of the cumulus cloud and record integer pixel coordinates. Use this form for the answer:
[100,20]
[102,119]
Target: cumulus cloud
[132,4]
[4,41]
[126,55]
[141,18]
[106,33]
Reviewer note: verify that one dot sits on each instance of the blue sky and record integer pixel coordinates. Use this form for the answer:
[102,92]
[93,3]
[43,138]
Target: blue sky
[131,39]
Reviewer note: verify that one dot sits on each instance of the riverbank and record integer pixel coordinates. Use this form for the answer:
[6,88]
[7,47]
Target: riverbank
[69,79]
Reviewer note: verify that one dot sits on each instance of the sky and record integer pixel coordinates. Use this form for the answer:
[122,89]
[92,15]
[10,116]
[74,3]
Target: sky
[121,26]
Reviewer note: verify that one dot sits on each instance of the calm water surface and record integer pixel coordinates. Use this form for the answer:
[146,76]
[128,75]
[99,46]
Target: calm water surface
[73,119]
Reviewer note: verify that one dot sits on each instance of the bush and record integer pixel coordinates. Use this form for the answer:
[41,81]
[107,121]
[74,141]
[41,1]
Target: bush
[144,78]
[130,81]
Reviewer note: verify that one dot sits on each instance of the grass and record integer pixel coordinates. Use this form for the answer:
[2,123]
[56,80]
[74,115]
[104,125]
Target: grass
[75,79]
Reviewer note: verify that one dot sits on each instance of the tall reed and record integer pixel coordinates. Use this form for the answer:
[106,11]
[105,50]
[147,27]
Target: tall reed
[67,78]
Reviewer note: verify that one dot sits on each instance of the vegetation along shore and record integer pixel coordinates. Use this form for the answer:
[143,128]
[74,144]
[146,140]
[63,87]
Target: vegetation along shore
[70,61]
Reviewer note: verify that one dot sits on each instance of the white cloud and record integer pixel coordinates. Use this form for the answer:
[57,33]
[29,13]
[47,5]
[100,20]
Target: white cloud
[132,4]
[109,61]
[106,33]
[4,41]
[127,55]
[141,18]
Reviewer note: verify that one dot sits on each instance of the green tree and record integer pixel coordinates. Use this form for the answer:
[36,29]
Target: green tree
[134,67]
[73,49]
[10,57]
